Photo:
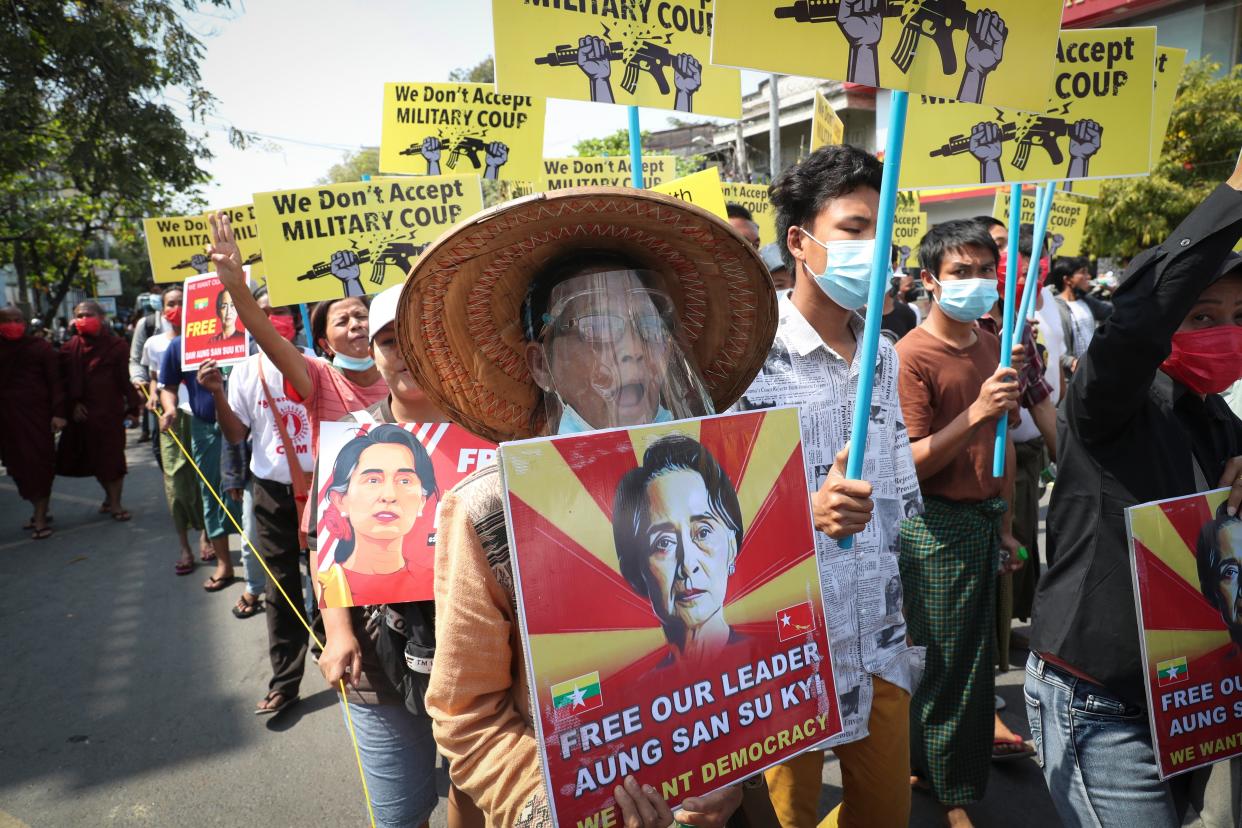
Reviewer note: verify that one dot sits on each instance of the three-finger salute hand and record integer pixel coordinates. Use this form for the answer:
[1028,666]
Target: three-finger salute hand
[224,253]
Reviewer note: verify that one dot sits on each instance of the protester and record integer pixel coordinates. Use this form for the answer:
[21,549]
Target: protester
[521,372]
[1079,312]
[32,412]
[144,328]
[743,222]
[181,485]
[782,276]
[98,396]
[1143,420]
[953,392]
[328,391]
[219,519]
[826,213]
[256,407]
[1034,438]
[366,646]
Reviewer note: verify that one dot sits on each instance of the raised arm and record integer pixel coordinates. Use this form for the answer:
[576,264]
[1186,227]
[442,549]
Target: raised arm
[1159,289]
[228,261]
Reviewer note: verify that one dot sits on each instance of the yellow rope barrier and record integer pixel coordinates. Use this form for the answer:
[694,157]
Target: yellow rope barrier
[298,611]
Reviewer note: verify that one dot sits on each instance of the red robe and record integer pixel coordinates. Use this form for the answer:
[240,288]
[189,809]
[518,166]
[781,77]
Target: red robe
[96,371]
[33,395]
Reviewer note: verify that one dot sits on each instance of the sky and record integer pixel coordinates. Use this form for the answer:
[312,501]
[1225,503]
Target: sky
[311,73]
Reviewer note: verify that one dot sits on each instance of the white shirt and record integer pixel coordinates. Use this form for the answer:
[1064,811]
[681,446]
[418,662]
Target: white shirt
[1084,326]
[267,460]
[1053,336]
[153,356]
[861,586]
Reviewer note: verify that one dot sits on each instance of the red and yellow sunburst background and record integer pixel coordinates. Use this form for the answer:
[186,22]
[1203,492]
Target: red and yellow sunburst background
[1178,622]
[581,615]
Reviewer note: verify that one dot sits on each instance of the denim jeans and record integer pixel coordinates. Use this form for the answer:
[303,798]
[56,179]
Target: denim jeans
[256,578]
[1098,763]
[399,762]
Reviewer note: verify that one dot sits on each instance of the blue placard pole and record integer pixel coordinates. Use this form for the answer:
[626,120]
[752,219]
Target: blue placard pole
[636,150]
[1011,296]
[1042,218]
[880,268]
[1043,211]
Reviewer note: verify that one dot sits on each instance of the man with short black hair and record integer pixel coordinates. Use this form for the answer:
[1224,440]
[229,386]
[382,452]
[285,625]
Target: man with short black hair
[743,222]
[826,214]
[953,394]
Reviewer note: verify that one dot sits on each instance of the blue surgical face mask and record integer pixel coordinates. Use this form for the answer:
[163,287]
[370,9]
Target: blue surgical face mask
[348,363]
[847,275]
[572,422]
[967,299]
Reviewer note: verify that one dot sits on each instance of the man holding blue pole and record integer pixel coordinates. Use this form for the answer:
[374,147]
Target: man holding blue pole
[953,392]
[827,212]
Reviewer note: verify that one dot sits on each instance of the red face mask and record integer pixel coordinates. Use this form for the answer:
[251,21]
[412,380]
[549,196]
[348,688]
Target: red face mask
[88,325]
[1002,273]
[284,325]
[12,331]
[1206,361]
[173,315]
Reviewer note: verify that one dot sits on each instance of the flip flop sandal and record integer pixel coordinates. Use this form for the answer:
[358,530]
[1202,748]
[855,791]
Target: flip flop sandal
[247,610]
[42,534]
[30,525]
[206,557]
[271,711]
[1005,750]
[121,516]
[184,568]
[215,584]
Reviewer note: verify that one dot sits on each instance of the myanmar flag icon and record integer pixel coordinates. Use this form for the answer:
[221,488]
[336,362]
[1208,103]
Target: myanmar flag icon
[200,304]
[794,621]
[1172,671]
[578,695]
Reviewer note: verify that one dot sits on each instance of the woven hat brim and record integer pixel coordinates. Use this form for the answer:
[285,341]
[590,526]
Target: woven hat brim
[458,317]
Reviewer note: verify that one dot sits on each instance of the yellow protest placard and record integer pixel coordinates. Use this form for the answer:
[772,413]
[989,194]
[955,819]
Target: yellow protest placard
[1067,223]
[827,128]
[702,189]
[353,239]
[995,52]
[175,246]
[909,228]
[634,52]
[754,197]
[460,128]
[613,171]
[1103,89]
[1170,63]
[246,231]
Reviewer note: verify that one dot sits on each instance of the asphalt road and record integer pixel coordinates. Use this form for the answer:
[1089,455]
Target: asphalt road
[128,692]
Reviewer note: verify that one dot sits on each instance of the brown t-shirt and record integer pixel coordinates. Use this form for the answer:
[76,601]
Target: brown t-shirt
[936,383]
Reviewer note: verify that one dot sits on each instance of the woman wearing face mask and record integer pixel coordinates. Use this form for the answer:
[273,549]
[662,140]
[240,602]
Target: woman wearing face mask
[29,419]
[1142,420]
[328,389]
[93,445]
[518,330]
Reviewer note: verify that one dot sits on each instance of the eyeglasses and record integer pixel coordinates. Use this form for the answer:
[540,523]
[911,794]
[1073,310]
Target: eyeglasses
[608,328]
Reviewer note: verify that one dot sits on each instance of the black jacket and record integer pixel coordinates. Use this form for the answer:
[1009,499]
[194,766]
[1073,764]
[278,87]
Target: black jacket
[1129,435]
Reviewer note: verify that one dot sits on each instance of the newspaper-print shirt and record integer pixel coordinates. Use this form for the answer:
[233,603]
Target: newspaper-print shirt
[861,586]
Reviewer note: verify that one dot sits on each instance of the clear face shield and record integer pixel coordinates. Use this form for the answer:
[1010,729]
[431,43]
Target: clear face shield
[609,354]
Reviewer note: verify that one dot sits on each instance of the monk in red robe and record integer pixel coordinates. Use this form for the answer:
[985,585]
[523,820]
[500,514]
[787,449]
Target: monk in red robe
[28,420]
[98,394]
